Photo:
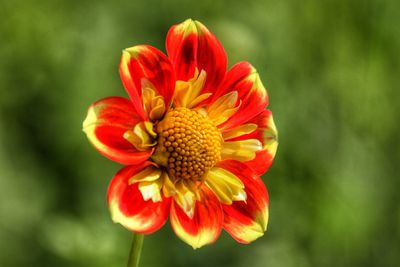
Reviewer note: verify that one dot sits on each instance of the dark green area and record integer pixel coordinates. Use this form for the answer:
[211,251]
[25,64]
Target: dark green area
[331,68]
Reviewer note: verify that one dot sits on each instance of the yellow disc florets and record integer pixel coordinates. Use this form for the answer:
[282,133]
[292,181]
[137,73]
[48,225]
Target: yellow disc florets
[188,144]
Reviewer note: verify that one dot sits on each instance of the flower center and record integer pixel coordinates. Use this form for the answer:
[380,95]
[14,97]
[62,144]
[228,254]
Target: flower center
[188,144]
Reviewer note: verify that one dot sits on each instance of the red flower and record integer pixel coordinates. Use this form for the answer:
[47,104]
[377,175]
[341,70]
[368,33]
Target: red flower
[195,139]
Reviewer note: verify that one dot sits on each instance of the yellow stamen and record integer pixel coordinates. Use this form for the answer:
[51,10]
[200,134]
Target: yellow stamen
[189,144]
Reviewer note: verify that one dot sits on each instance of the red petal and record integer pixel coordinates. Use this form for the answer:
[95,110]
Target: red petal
[127,206]
[146,62]
[246,221]
[106,122]
[261,163]
[191,45]
[244,79]
[267,134]
[206,224]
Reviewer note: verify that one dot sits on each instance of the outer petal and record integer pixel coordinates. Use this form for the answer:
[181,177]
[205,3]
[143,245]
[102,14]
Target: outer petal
[262,162]
[106,122]
[128,207]
[267,134]
[206,224]
[191,45]
[246,220]
[244,79]
[141,64]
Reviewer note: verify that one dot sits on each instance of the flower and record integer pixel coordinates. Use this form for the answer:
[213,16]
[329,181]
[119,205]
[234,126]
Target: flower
[194,137]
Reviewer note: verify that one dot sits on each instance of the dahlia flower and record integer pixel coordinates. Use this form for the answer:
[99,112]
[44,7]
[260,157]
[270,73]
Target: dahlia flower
[194,137]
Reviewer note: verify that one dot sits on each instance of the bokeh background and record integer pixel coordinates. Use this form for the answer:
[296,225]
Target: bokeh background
[331,68]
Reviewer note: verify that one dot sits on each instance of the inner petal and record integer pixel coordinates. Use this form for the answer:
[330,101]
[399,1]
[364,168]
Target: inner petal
[188,93]
[226,186]
[141,136]
[243,150]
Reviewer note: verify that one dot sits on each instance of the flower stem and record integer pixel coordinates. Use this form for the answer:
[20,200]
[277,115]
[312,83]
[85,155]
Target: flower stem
[136,249]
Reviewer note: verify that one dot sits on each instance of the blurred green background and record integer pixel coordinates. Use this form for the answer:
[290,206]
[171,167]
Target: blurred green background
[331,68]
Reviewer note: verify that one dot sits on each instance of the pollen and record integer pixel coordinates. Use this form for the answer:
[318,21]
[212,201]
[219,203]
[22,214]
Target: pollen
[188,145]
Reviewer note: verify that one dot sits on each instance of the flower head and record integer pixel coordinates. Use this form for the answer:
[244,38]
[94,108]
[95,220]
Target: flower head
[195,139]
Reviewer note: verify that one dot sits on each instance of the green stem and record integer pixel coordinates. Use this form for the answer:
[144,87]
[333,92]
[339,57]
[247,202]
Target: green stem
[136,249]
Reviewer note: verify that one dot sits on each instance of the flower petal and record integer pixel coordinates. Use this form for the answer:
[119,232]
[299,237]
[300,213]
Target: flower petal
[239,131]
[262,162]
[244,79]
[225,185]
[141,136]
[244,150]
[153,104]
[187,93]
[128,207]
[246,220]
[223,108]
[191,45]
[185,196]
[105,125]
[267,134]
[151,190]
[206,224]
[144,64]
[148,174]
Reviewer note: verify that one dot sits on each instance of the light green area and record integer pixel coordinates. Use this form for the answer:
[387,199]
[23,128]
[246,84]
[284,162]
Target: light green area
[332,71]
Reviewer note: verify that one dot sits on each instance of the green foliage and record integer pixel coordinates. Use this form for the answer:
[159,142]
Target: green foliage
[331,68]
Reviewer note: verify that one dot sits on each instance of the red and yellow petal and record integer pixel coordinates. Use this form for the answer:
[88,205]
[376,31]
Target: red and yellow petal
[128,207]
[262,162]
[191,45]
[246,220]
[143,64]
[266,133]
[206,224]
[244,79]
[105,124]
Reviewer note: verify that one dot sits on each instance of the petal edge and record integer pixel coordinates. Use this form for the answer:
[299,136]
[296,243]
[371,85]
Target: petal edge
[105,124]
[246,221]
[205,226]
